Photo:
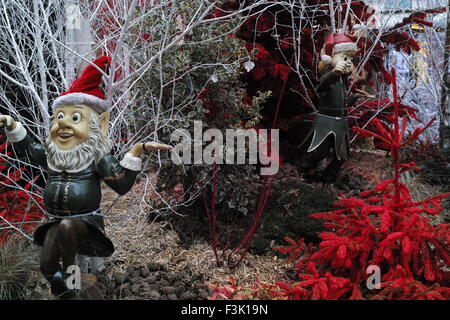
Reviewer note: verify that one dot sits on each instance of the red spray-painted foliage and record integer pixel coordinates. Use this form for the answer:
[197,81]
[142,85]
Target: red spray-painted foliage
[370,114]
[381,227]
[19,210]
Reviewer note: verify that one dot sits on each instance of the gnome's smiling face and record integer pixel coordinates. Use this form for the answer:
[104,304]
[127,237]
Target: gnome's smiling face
[78,136]
[70,125]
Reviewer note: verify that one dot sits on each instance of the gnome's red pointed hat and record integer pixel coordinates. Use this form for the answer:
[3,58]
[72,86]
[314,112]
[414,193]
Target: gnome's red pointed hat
[86,89]
[337,43]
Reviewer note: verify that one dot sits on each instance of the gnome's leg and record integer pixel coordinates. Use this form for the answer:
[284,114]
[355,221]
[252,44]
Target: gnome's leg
[312,159]
[70,234]
[332,170]
[50,253]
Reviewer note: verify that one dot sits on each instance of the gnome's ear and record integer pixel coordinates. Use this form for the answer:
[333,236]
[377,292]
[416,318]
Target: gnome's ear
[104,123]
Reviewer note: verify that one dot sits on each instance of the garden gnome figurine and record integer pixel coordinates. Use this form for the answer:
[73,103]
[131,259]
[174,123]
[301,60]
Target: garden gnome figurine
[330,128]
[76,154]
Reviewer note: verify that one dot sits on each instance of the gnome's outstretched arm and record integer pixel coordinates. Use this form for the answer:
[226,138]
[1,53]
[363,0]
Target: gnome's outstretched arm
[25,144]
[141,148]
[119,176]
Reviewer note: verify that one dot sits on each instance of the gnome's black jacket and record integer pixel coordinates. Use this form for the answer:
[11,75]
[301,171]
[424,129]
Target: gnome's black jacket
[80,192]
[333,100]
[69,194]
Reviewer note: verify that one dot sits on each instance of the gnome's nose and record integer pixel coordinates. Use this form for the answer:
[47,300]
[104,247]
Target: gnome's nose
[63,123]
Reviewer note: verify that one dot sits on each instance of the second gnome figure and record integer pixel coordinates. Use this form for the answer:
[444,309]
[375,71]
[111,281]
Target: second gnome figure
[330,129]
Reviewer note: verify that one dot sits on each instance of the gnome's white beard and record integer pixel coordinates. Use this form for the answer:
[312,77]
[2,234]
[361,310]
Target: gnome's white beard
[82,155]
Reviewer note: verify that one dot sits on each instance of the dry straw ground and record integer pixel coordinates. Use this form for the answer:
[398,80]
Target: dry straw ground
[139,241]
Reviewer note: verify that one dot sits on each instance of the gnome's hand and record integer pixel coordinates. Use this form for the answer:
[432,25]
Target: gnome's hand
[141,148]
[343,67]
[7,122]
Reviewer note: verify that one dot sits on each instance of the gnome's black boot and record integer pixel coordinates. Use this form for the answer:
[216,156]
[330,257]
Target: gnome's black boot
[306,167]
[331,173]
[58,285]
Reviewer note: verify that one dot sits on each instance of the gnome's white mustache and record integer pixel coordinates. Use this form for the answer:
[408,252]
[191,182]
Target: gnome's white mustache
[82,155]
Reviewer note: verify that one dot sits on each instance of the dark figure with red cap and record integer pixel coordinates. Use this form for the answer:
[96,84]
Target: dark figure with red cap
[76,155]
[329,133]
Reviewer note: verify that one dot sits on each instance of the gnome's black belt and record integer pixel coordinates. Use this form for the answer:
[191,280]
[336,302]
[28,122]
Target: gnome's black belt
[333,112]
[60,214]
[331,117]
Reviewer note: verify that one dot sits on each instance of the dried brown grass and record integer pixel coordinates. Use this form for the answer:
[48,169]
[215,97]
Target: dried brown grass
[421,190]
[139,241]
[371,165]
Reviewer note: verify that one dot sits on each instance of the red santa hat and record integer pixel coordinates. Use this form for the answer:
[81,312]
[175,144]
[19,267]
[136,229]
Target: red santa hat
[86,89]
[337,43]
